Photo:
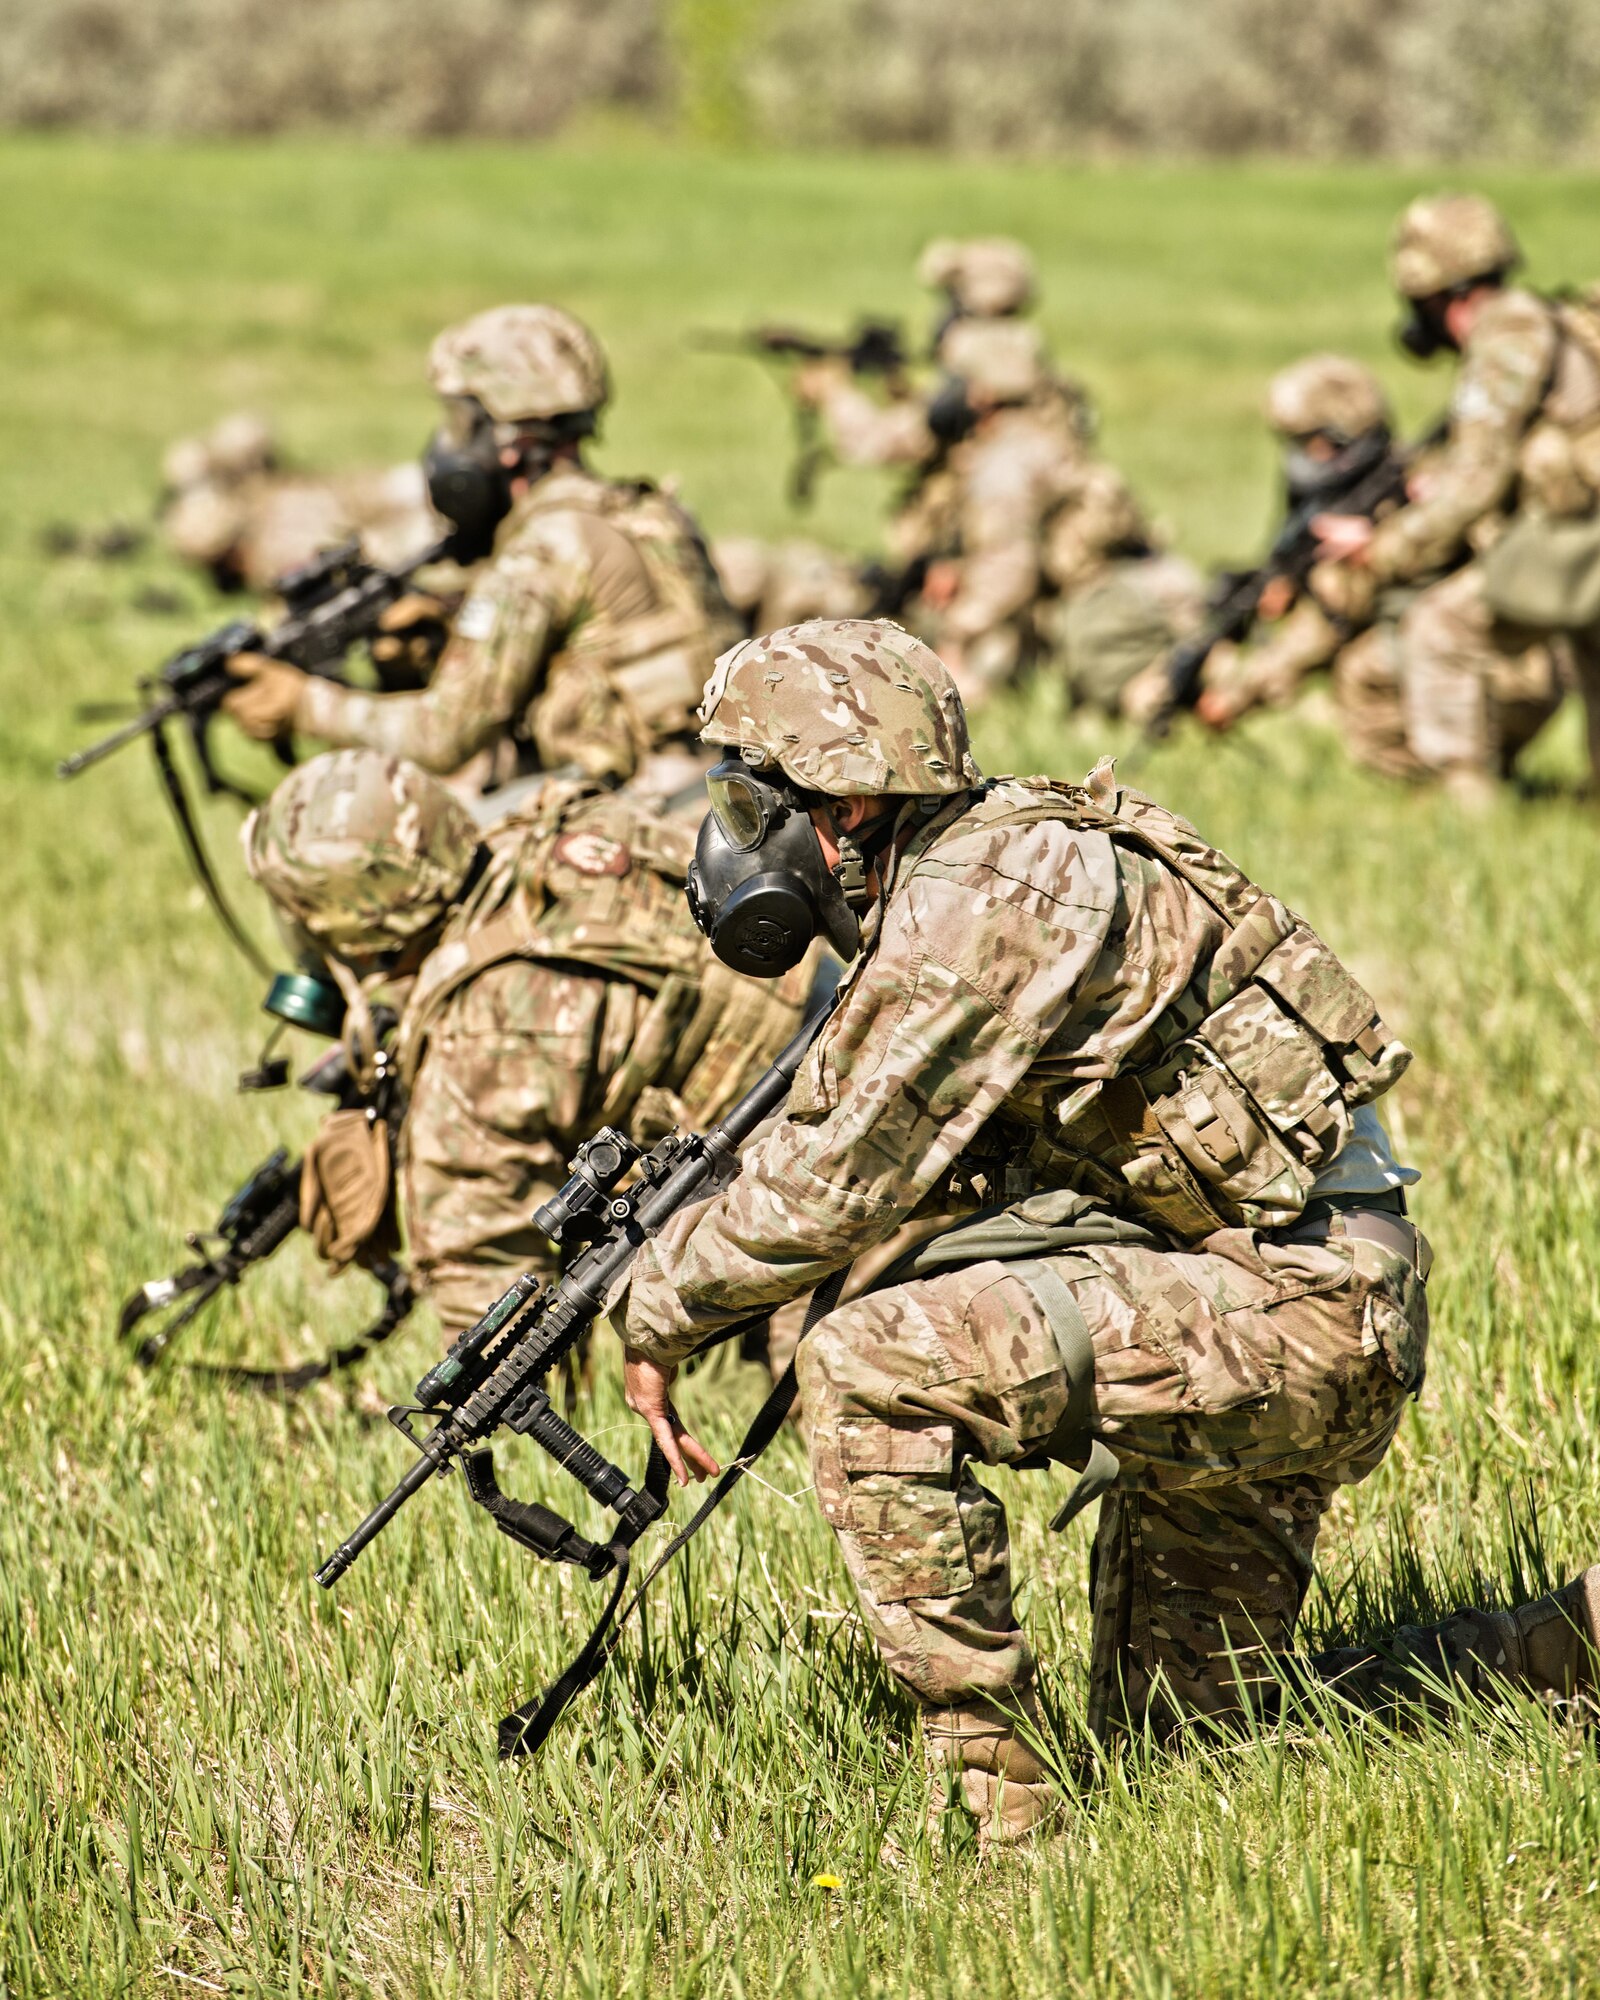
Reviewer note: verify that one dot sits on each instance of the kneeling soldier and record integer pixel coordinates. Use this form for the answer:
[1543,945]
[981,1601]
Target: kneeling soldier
[1128,1095]
[556,984]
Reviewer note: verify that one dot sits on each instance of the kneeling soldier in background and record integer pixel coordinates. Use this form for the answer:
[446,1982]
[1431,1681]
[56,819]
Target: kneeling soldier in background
[1128,1096]
[554,983]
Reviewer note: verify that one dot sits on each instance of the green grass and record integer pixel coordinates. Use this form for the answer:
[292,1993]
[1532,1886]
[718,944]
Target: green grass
[214,1777]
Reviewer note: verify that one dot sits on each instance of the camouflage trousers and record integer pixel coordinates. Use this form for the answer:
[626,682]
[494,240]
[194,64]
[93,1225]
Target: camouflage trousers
[1475,690]
[1238,1386]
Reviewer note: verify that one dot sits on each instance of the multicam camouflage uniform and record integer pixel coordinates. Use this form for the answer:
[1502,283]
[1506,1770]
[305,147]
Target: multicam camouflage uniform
[233,511]
[1331,398]
[1046,547]
[564,988]
[1126,1095]
[1524,436]
[588,635]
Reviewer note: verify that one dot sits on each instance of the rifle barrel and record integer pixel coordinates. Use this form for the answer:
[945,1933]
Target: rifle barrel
[380,1517]
[141,725]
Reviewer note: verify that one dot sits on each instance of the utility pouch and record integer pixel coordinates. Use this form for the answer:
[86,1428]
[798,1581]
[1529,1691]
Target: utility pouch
[345,1184]
[1545,573]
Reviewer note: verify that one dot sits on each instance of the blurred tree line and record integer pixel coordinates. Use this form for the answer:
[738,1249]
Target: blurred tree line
[1516,79]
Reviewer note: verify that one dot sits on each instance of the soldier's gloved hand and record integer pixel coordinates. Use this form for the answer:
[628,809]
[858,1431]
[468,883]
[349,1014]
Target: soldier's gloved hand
[648,1388]
[266,698]
[412,634]
[813,382]
[1343,591]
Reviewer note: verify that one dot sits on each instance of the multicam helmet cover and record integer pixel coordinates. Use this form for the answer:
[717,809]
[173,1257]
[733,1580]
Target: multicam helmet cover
[361,852]
[522,363]
[1445,240]
[1328,394]
[842,706]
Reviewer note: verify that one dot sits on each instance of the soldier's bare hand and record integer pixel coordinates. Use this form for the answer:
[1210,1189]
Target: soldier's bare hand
[941,583]
[648,1388]
[1276,597]
[1215,710]
[1342,537]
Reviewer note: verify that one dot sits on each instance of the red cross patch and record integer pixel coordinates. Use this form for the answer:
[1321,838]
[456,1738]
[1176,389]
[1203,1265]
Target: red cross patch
[592,854]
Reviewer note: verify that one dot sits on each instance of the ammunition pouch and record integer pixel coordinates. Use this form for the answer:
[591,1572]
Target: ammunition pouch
[1249,1091]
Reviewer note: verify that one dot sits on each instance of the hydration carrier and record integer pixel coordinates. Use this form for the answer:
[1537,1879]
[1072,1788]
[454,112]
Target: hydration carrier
[1245,1089]
[587,878]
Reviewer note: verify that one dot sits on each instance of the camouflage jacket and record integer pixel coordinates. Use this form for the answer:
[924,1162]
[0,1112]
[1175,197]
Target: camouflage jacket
[570,990]
[1045,991]
[1529,367]
[588,637]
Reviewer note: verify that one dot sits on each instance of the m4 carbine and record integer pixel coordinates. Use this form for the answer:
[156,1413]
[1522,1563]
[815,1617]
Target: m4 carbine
[330,605]
[256,1220]
[1293,555]
[875,348]
[493,1377]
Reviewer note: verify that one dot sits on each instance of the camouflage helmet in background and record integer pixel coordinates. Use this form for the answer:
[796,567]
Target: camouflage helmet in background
[522,363]
[987,276]
[1003,360]
[1445,240]
[240,444]
[840,706]
[360,851]
[1328,394]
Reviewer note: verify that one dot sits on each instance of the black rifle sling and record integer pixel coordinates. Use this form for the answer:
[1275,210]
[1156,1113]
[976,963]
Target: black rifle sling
[524,1730]
[194,847]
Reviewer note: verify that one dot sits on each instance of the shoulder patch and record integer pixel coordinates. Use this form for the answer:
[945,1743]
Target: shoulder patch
[477,617]
[591,854]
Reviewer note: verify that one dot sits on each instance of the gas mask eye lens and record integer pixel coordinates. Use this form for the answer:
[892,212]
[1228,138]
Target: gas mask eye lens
[744,807]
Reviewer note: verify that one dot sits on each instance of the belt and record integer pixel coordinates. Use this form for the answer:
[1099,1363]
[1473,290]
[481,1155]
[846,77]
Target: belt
[1371,1218]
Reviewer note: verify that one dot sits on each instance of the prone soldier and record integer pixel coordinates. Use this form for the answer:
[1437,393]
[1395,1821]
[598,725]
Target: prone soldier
[1129,1096]
[232,509]
[1517,481]
[583,641]
[550,983]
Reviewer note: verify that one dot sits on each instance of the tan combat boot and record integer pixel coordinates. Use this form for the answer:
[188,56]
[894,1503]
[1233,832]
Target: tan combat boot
[1003,1782]
[1548,1646]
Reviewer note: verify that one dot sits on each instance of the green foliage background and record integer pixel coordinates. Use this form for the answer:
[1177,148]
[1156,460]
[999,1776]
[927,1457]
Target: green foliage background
[215,1778]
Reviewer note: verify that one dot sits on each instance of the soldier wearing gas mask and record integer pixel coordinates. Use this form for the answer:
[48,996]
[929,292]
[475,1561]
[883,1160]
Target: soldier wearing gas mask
[1334,427]
[1517,483]
[592,622]
[547,980]
[1124,1101]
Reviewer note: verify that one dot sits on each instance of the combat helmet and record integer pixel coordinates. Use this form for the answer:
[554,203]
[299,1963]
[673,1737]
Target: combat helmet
[987,276]
[361,852]
[842,706]
[1328,395]
[1443,241]
[522,363]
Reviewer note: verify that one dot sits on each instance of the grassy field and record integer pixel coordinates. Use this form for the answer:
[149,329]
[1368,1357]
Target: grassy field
[215,1778]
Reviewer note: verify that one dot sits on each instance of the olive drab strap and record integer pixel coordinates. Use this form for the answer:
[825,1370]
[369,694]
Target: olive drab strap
[526,1728]
[1072,1439]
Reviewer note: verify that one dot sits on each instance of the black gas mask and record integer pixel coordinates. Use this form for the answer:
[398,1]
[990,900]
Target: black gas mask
[1310,476]
[1422,333]
[758,885]
[949,414]
[467,483]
